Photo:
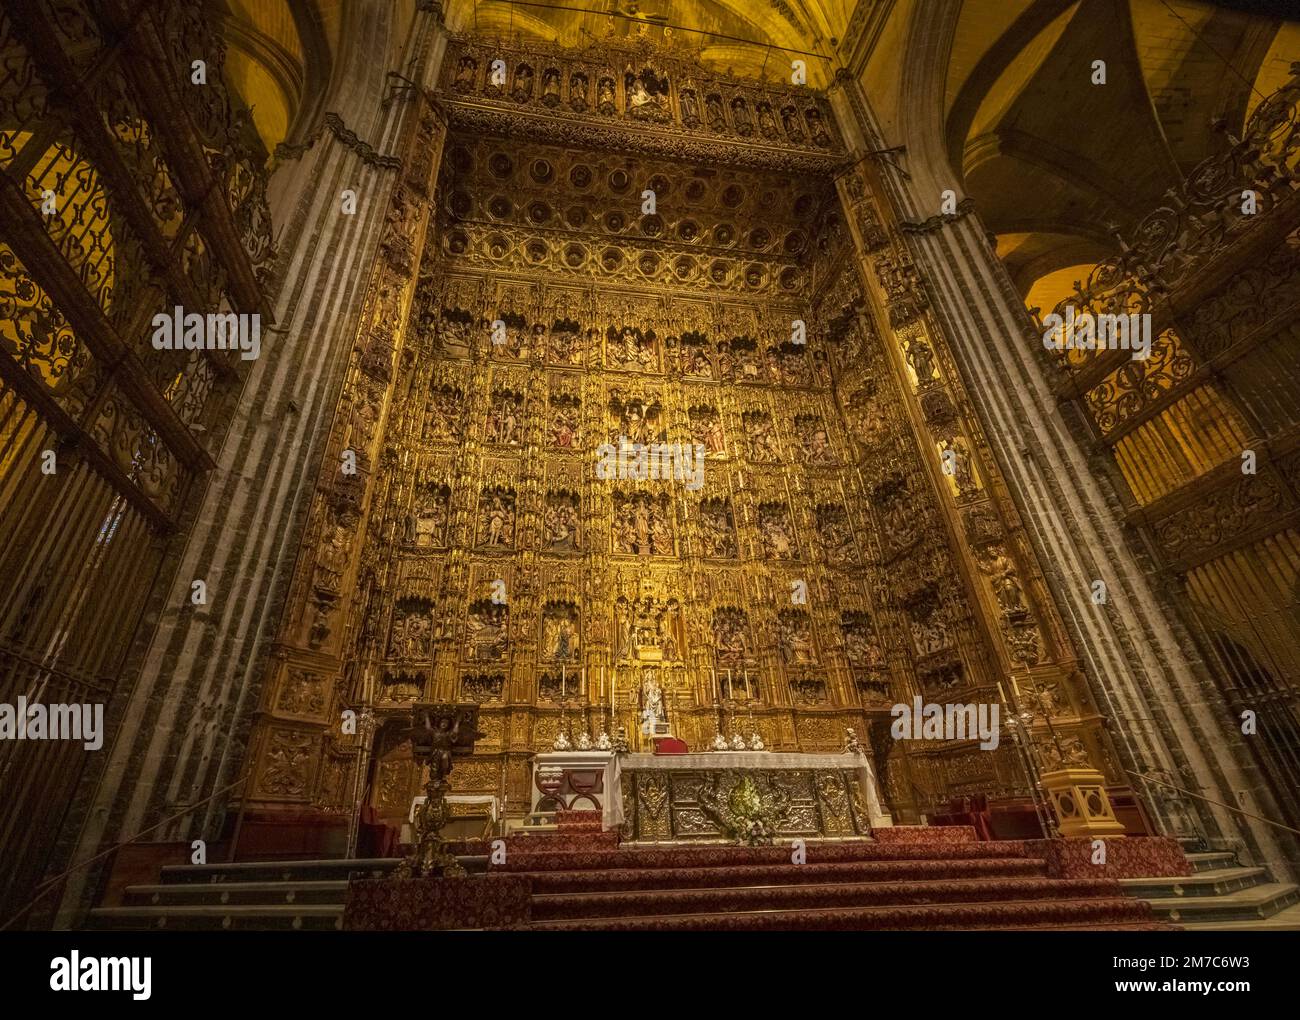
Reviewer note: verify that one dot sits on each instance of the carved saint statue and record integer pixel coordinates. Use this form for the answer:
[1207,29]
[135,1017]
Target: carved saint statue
[690,108]
[713,106]
[465,73]
[652,704]
[578,92]
[551,87]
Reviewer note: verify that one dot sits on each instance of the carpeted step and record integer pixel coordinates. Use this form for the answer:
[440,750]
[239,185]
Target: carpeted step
[526,841]
[643,903]
[1053,913]
[778,874]
[728,855]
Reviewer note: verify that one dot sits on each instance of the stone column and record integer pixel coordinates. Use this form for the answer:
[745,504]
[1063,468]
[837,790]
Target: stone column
[192,688]
[1139,661]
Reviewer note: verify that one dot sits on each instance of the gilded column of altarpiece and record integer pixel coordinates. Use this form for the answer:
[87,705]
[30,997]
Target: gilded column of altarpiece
[818,573]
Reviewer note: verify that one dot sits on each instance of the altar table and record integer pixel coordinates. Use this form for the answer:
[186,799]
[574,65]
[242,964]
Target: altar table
[664,798]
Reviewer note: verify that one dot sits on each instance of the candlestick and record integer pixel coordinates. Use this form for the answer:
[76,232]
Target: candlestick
[564,691]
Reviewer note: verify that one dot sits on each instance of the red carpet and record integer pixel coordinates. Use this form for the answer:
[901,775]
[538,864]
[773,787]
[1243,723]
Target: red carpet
[947,881]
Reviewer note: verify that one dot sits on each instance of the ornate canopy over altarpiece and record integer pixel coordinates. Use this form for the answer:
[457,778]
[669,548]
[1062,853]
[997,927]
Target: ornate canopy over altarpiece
[526,308]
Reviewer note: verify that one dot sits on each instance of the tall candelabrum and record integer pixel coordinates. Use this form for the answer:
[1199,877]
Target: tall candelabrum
[1020,723]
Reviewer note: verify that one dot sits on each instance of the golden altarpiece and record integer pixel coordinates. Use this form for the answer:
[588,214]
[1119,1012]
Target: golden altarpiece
[851,545]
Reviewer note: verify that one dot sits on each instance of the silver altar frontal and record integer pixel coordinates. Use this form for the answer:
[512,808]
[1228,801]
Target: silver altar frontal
[756,796]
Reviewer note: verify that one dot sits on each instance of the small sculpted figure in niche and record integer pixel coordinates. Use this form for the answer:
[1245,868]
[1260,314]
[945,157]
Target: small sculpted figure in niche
[774,529]
[605,101]
[523,90]
[835,534]
[766,122]
[465,72]
[497,524]
[706,430]
[717,530]
[794,636]
[713,107]
[551,87]
[564,422]
[505,419]
[761,437]
[487,630]
[729,636]
[860,647]
[740,115]
[565,347]
[790,120]
[813,440]
[560,523]
[578,91]
[647,94]
[690,108]
[427,524]
[817,127]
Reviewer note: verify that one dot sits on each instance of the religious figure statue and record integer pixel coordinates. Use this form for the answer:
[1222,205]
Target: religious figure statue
[921,358]
[690,107]
[790,121]
[836,538]
[794,638]
[817,127]
[706,430]
[486,631]
[760,436]
[729,636]
[774,527]
[498,522]
[1007,590]
[766,122]
[551,87]
[465,71]
[578,91]
[716,529]
[652,704]
[713,107]
[332,561]
[427,523]
[740,115]
[605,96]
[814,441]
[562,639]
[523,87]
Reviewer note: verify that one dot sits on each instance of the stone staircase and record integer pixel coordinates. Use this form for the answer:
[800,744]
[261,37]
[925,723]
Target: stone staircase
[256,895]
[1221,895]
[585,881]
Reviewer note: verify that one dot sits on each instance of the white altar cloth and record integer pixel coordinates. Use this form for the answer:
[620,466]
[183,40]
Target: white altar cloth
[612,813]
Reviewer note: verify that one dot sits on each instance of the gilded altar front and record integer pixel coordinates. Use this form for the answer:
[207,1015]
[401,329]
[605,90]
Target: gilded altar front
[748,798]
